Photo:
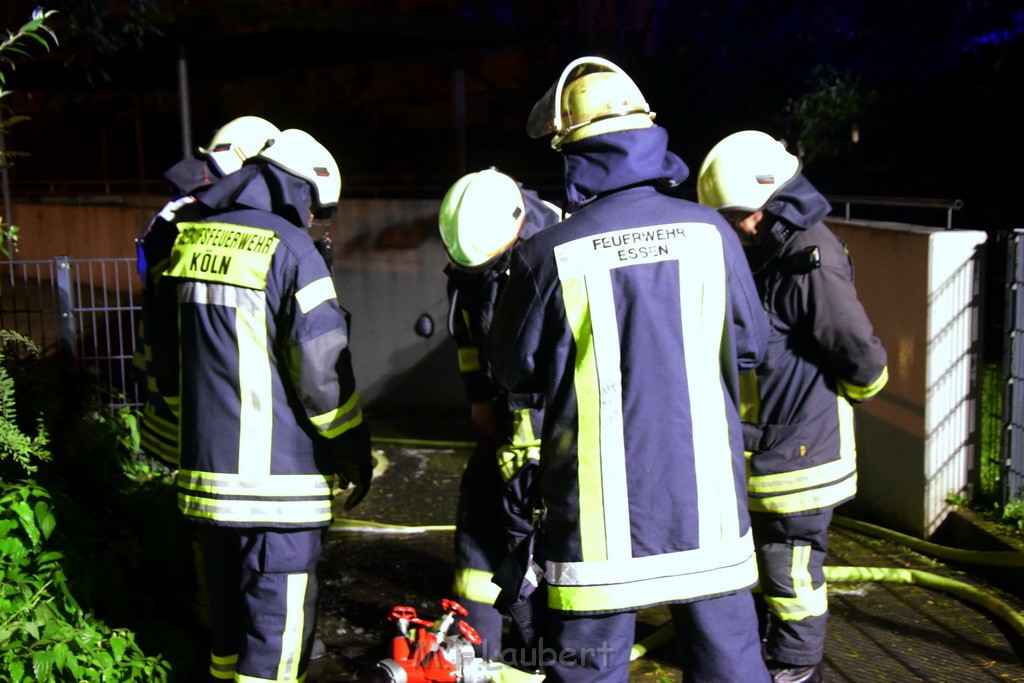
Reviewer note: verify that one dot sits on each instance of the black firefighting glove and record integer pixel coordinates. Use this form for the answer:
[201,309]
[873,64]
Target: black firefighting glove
[353,462]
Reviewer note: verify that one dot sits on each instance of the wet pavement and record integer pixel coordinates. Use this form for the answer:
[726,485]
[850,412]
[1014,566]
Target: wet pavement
[896,614]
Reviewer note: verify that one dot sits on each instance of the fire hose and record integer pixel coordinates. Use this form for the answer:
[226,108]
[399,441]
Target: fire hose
[421,654]
[848,574]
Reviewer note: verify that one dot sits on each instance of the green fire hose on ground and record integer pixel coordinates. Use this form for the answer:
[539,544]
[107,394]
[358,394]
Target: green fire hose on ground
[833,573]
[917,577]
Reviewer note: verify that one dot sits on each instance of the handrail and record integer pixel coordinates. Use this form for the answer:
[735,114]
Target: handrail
[950,205]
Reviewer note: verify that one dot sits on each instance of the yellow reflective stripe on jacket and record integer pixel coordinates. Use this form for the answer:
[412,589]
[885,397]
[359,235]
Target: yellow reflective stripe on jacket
[315,293]
[750,398]
[525,447]
[469,359]
[174,405]
[476,585]
[256,512]
[255,380]
[599,586]
[811,487]
[339,420]
[230,254]
[271,498]
[512,459]
[807,601]
[588,443]
[855,392]
[825,496]
[223,668]
[268,485]
[703,321]
[159,435]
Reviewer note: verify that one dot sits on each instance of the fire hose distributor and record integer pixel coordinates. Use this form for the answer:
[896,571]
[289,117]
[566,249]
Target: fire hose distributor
[423,652]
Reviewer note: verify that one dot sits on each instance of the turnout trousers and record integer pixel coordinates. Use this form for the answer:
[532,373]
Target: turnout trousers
[792,598]
[716,637]
[480,545]
[263,593]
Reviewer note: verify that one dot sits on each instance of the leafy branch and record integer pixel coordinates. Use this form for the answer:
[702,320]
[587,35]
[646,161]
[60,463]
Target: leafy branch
[14,46]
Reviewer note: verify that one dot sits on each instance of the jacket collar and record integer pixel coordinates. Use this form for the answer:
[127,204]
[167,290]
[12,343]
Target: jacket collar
[264,187]
[614,161]
[795,207]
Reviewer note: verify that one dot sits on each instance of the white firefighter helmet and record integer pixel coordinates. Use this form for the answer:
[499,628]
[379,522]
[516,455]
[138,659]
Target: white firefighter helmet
[592,96]
[298,153]
[236,141]
[480,217]
[744,170]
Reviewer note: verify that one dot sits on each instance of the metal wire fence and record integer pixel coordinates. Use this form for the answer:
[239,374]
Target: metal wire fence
[83,310]
[1013,371]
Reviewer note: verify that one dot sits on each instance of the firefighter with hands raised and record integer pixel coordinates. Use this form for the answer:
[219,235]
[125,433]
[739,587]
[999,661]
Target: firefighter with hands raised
[251,336]
[633,319]
[482,215]
[798,421]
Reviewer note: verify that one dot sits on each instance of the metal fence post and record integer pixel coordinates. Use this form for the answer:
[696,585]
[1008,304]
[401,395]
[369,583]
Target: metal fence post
[65,308]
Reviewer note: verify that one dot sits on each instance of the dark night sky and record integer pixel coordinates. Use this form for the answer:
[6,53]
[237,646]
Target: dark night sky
[937,99]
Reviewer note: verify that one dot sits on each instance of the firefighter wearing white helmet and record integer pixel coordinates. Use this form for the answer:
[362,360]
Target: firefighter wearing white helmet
[301,155]
[236,141]
[744,170]
[638,385]
[592,96]
[254,342]
[823,356]
[482,216]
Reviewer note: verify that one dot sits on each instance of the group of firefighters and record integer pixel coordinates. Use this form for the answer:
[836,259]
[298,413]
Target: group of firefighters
[662,389]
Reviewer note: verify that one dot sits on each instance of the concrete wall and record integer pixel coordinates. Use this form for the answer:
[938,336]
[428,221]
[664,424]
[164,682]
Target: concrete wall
[915,440]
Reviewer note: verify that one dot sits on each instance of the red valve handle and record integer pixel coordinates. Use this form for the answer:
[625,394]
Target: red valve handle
[454,607]
[470,633]
[402,612]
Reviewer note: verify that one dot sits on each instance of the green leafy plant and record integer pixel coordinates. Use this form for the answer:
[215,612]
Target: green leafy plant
[23,450]
[1013,514]
[47,634]
[12,47]
[824,119]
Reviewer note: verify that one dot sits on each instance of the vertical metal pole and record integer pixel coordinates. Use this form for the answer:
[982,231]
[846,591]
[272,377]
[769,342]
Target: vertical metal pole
[184,104]
[65,308]
[460,119]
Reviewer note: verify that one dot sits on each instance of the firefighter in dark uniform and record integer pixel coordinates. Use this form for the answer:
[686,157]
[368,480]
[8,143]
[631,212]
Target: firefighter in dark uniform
[268,412]
[633,318]
[481,217]
[822,357]
[232,144]
[229,146]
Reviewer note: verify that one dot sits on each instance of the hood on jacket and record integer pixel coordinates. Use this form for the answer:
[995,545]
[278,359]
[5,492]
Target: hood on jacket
[191,175]
[798,203]
[796,206]
[613,161]
[264,187]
